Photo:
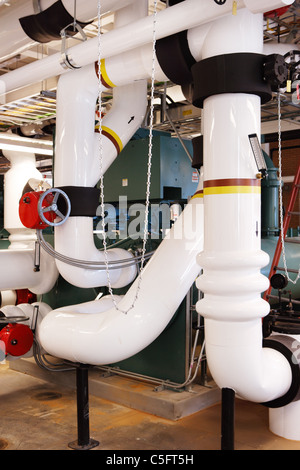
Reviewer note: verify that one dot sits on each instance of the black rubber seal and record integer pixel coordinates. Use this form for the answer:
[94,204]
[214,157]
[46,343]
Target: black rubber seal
[47,25]
[174,2]
[230,73]
[84,201]
[285,345]
[175,58]
[198,156]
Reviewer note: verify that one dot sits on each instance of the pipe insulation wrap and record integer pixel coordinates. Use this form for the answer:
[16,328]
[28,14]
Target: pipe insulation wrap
[14,40]
[78,152]
[46,26]
[237,360]
[290,348]
[18,261]
[89,334]
[185,15]
[232,258]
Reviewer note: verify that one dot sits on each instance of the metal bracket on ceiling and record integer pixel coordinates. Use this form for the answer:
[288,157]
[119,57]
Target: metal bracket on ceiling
[37,8]
[66,60]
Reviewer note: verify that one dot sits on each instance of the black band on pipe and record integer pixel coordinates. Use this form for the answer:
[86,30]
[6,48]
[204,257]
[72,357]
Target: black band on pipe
[47,25]
[84,201]
[175,58]
[287,346]
[230,73]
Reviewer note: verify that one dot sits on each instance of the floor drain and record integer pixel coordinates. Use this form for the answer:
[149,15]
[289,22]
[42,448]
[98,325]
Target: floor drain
[3,444]
[46,396]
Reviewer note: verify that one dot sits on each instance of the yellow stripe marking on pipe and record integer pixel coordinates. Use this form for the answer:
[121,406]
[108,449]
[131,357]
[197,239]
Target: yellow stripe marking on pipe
[232,190]
[113,137]
[232,186]
[198,194]
[104,76]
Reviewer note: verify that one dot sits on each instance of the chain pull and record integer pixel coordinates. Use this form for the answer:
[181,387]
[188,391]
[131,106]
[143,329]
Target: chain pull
[147,202]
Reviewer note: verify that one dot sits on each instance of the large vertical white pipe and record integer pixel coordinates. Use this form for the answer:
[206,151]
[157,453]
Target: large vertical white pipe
[232,257]
[23,167]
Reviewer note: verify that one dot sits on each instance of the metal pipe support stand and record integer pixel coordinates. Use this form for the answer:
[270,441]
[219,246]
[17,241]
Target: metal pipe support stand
[228,415]
[83,442]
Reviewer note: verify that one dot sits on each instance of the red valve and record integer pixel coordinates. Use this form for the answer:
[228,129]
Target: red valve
[25,296]
[28,210]
[17,339]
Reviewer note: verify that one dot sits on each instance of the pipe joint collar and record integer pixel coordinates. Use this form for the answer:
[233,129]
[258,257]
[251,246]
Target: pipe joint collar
[290,348]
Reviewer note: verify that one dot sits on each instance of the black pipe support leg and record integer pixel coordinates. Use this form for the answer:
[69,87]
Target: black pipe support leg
[227,425]
[83,442]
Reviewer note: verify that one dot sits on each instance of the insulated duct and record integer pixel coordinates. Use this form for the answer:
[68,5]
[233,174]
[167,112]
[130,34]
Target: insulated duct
[185,15]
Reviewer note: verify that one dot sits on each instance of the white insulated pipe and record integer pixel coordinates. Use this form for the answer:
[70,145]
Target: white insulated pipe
[90,334]
[77,161]
[17,262]
[185,15]
[232,258]
[14,40]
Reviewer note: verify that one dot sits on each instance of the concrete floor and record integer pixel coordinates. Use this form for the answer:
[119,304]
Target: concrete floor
[39,415]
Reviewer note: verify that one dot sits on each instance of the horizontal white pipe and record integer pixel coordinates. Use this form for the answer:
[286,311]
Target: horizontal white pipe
[184,15]
[8,297]
[91,334]
[279,48]
[256,6]
[13,40]
[17,271]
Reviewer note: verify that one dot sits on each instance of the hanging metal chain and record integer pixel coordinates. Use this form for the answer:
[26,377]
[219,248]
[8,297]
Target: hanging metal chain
[280,197]
[149,164]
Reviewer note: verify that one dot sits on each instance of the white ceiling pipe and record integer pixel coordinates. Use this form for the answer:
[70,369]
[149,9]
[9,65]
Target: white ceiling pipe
[13,39]
[77,161]
[90,334]
[232,258]
[185,15]
[87,10]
